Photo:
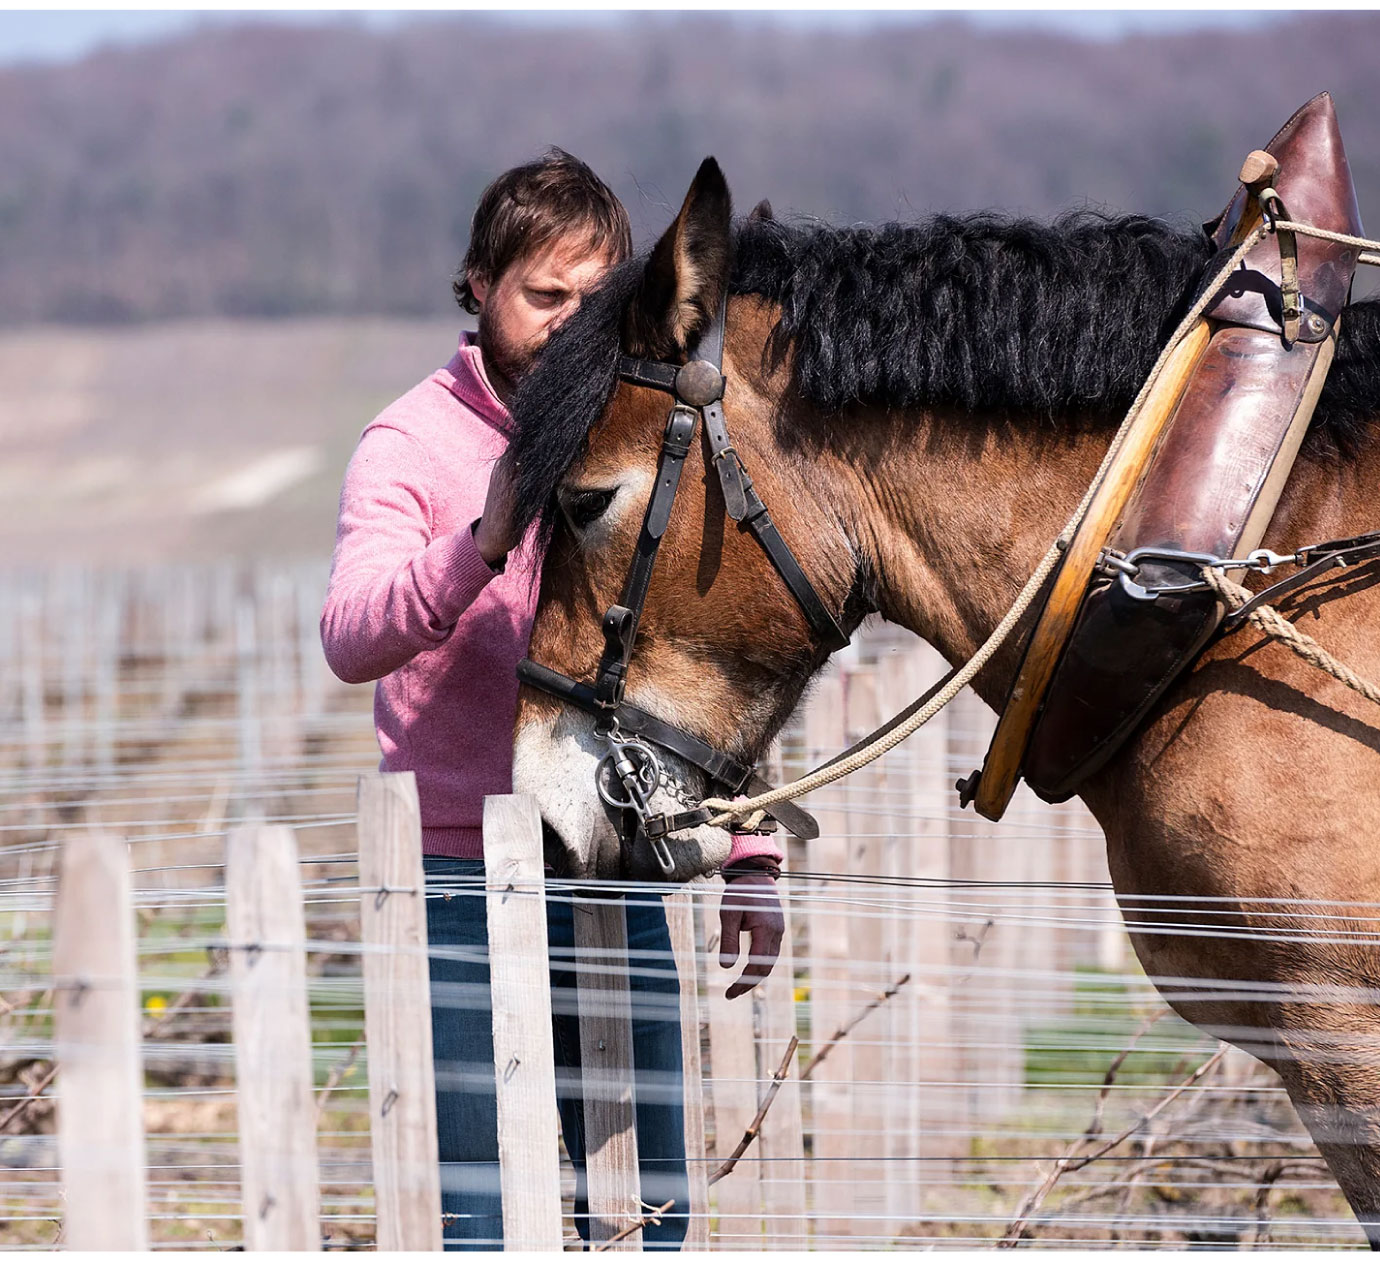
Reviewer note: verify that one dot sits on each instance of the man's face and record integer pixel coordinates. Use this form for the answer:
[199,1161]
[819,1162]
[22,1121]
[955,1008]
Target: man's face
[528,300]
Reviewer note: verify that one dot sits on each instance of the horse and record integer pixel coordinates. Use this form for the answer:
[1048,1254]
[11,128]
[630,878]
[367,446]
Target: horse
[922,406]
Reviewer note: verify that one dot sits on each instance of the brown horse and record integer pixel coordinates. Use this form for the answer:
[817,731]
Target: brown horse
[921,408]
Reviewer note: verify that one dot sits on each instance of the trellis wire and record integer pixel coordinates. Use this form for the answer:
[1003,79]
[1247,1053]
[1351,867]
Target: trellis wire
[927,1126]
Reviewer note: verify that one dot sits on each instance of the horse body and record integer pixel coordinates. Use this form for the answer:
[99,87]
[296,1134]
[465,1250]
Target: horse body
[1240,821]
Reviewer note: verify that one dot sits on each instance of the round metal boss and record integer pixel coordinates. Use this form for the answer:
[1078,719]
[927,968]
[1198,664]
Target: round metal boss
[699,383]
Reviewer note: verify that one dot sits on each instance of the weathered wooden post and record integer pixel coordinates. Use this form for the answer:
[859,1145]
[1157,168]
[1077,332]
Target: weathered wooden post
[397,1014]
[680,921]
[524,1051]
[251,752]
[864,795]
[783,1135]
[268,972]
[923,937]
[606,1057]
[832,996]
[96,1040]
[736,1087]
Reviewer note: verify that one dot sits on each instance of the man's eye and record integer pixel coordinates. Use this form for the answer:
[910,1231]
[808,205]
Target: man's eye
[546,298]
[583,508]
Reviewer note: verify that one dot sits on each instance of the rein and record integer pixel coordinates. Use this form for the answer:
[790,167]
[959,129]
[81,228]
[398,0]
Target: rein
[630,773]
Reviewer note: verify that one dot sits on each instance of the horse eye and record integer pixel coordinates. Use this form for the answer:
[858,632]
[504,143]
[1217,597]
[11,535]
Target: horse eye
[585,507]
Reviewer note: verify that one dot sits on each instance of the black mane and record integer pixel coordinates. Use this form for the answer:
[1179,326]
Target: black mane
[983,314]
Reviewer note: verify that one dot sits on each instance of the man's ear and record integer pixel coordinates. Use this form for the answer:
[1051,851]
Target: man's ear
[687,271]
[479,287]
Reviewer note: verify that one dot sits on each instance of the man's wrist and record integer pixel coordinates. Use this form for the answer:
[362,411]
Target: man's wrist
[493,559]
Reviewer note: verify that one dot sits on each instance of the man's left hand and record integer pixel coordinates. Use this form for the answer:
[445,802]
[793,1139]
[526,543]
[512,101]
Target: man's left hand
[749,904]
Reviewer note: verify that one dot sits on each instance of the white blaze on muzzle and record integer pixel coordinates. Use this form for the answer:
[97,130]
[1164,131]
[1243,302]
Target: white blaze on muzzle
[556,762]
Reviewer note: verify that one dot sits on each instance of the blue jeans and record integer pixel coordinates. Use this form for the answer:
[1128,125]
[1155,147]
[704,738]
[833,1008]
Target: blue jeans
[462,1047]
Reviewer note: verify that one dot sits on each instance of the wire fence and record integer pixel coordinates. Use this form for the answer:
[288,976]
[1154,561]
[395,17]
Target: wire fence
[983,1026]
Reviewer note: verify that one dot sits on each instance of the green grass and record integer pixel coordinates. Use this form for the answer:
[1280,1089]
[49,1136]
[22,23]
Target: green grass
[1079,1047]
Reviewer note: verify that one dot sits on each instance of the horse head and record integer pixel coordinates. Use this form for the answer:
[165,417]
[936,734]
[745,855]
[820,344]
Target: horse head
[722,649]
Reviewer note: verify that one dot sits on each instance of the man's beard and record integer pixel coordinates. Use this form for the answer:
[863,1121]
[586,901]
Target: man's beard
[503,362]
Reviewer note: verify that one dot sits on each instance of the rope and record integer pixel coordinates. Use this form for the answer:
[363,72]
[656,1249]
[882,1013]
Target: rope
[749,812]
[1269,621]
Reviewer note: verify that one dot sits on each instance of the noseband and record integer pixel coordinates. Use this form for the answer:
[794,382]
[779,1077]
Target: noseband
[631,772]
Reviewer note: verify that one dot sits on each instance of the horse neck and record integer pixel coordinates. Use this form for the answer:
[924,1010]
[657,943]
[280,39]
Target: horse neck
[954,513]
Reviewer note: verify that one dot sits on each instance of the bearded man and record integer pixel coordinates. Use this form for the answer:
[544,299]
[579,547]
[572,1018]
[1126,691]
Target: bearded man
[432,594]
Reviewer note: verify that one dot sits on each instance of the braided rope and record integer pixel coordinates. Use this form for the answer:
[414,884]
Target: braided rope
[750,811]
[1269,621]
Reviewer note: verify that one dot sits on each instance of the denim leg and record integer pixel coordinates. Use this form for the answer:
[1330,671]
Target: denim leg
[462,1050]
[463,1054]
[657,1074]
[659,1070]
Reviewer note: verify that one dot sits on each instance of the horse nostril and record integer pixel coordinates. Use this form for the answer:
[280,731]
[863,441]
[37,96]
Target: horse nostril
[553,847]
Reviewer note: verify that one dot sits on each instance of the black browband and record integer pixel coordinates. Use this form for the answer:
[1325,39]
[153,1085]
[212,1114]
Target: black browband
[697,387]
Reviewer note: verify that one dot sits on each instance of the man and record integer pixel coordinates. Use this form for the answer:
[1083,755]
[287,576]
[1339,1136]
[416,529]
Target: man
[432,594]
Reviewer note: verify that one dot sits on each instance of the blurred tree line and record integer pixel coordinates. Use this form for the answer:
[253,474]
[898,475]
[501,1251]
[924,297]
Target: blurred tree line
[278,170]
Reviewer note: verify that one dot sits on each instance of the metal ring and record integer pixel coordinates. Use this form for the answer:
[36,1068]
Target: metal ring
[606,774]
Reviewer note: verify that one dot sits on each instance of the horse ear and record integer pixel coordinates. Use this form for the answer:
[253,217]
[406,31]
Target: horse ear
[686,272]
[762,211]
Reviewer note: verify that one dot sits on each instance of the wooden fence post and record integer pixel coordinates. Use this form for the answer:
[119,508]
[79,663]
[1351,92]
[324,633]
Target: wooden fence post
[833,999]
[524,1051]
[864,797]
[279,1175]
[924,780]
[783,1135]
[397,1014]
[680,921]
[736,1086]
[96,1039]
[606,1057]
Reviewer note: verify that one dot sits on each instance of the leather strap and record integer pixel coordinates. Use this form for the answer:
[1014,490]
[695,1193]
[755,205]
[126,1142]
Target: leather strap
[758,520]
[649,373]
[1328,556]
[675,447]
[620,621]
[726,461]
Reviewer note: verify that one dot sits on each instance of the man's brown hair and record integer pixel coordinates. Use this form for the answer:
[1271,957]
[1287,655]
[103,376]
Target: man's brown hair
[530,206]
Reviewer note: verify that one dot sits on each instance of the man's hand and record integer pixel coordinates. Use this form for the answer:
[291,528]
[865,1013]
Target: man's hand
[749,904]
[494,535]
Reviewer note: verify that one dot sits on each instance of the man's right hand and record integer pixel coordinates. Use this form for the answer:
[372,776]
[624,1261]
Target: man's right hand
[494,534]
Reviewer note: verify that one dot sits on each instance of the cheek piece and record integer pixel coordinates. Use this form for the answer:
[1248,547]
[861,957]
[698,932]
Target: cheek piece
[631,771]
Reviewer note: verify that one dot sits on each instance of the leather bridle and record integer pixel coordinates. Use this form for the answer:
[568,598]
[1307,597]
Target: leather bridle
[631,734]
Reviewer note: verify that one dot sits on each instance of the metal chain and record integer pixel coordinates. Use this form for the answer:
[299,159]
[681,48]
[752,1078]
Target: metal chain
[750,811]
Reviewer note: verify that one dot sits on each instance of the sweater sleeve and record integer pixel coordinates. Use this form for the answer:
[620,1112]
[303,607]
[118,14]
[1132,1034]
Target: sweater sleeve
[394,591]
[746,845]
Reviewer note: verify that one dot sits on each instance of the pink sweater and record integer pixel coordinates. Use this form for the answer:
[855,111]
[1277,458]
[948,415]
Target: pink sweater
[413,605]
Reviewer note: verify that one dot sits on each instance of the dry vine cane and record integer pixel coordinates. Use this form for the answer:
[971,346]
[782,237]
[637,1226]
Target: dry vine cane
[153,1027]
[752,1131]
[1072,1161]
[749,1136]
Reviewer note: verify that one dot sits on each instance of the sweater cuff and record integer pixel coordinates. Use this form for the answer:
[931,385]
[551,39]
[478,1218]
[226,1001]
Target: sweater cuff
[750,845]
[455,574]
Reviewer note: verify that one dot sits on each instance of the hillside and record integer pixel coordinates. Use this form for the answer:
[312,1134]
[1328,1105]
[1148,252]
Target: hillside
[199,440]
[271,170]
